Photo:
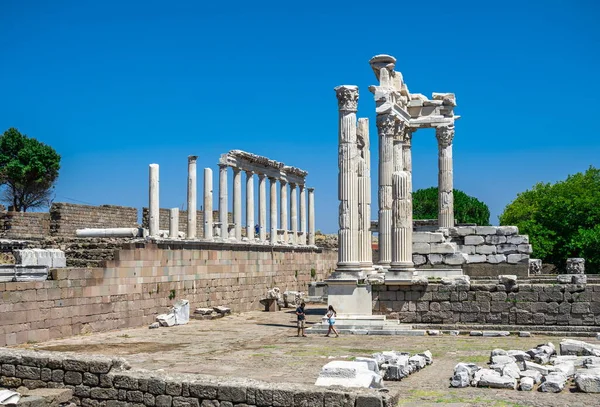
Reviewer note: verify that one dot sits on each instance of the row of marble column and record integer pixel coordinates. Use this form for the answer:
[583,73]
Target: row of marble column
[304,235]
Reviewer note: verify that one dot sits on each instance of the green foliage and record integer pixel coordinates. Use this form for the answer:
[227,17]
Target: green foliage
[172,294]
[561,219]
[28,170]
[467,209]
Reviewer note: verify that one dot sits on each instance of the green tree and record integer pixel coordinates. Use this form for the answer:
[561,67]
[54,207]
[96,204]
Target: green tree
[561,219]
[467,209]
[28,170]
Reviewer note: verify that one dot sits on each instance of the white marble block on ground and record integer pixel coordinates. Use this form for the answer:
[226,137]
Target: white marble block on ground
[349,374]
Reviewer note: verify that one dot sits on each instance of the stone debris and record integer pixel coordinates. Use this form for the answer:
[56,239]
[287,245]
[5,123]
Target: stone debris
[398,365]
[553,382]
[154,325]
[222,310]
[179,314]
[526,384]
[8,397]
[291,299]
[507,279]
[579,348]
[211,313]
[524,334]
[349,374]
[274,294]
[588,382]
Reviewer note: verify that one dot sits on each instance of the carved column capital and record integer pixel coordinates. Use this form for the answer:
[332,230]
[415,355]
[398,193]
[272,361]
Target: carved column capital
[444,135]
[249,173]
[407,136]
[347,96]
[386,125]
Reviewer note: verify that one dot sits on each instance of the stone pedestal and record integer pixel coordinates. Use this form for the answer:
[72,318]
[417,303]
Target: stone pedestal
[250,205]
[262,207]
[208,204]
[445,177]
[223,218]
[153,204]
[349,298]
[191,197]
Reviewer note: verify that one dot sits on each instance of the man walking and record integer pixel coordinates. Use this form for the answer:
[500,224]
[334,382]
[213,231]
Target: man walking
[301,318]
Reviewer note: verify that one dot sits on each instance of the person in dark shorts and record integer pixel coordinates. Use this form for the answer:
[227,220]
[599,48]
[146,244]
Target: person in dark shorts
[301,318]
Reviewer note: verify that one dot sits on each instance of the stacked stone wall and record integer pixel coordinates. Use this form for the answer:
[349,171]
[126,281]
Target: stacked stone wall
[102,381]
[66,218]
[471,245]
[523,304]
[24,225]
[145,279]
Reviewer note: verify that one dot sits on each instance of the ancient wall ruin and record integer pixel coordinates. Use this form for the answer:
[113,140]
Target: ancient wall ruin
[522,304]
[144,280]
[100,380]
[24,225]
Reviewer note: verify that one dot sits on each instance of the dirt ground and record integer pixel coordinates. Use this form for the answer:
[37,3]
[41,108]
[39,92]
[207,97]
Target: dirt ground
[264,346]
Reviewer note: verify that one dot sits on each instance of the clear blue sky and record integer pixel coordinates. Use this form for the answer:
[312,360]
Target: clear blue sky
[116,85]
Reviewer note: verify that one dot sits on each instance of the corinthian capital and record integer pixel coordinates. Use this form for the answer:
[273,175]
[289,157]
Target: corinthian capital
[386,125]
[347,96]
[407,136]
[444,135]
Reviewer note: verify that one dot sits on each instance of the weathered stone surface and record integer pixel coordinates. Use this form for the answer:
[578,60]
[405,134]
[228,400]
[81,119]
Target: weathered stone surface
[474,240]
[564,278]
[525,248]
[580,348]
[507,230]
[455,259]
[579,279]
[576,265]
[517,258]
[588,383]
[486,230]
[495,239]
[419,259]
[477,258]
[517,239]
[535,375]
[507,279]
[526,384]
[421,248]
[460,379]
[553,382]
[442,248]
[496,258]
[486,249]
[491,378]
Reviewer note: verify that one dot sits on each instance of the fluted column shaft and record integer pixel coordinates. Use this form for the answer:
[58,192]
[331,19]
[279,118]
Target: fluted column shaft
[386,129]
[191,198]
[208,203]
[250,205]
[223,218]
[407,156]
[348,259]
[365,251]
[273,207]
[401,212]
[302,215]
[153,204]
[283,210]
[445,135]
[294,213]
[311,216]
[262,207]
[237,203]
[174,223]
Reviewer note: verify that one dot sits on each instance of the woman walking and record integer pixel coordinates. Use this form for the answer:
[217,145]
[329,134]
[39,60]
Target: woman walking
[331,314]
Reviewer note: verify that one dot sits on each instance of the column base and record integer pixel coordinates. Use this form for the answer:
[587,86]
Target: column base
[349,298]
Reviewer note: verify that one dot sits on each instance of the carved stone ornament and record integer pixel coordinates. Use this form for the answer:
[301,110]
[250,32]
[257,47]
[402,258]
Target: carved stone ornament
[444,135]
[407,136]
[446,197]
[386,125]
[347,97]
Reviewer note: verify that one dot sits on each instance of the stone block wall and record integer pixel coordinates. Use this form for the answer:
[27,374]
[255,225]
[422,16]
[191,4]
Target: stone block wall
[24,225]
[522,304]
[163,220]
[66,218]
[103,381]
[469,245]
[145,280]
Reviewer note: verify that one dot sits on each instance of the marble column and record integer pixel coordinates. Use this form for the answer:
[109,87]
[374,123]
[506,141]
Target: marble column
[283,210]
[273,207]
[153,204]
[262,207]
[365,250]
[294,213]
[302,215]
[401,210]
[191,197]
[208,204]
[250,205]
[386,128]
[348,260]
[174,223]
[223,215]
[445,135]
[311,216]
[407,156]
[237,203]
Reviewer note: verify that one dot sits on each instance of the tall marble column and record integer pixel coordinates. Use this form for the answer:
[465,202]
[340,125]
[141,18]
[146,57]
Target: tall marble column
[445,135]
[208,204]
[174,223]
[250,205]
[407,156]
[223,215]
[153,204]
[262,207]
[283,208]
[365,251]
[311,216]
[348,260]
[386,125]
[191,197]
[303,239]
[294,213]
[237,203]
[273,207]
[401,210]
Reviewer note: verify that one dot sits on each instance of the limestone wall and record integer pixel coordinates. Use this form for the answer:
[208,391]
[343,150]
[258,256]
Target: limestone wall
[102,381]
[144,280]
[66,218]
[524,304]
[24,225]
[471,245]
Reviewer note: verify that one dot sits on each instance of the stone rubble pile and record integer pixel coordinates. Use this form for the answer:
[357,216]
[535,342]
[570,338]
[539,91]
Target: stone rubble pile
[540,366]
[211,313]
[371,372]
[291,299]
